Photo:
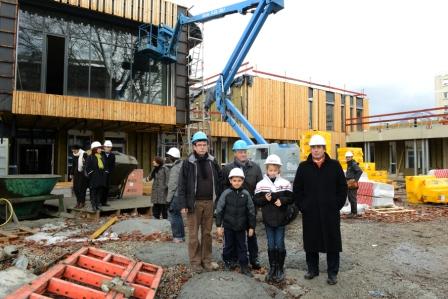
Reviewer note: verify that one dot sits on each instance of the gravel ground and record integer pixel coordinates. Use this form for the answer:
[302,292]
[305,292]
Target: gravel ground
[388,260]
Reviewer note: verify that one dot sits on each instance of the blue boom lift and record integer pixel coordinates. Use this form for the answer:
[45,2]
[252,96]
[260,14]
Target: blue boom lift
[161,43]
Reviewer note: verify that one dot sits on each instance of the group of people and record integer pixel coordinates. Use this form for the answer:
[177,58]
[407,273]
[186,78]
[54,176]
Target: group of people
[92,169]
[199,189]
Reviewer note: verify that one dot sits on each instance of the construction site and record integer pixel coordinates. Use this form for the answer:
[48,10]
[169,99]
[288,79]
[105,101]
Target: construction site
[132,75]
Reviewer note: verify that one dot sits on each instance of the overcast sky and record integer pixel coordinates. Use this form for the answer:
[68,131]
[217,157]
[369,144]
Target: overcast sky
[391,49]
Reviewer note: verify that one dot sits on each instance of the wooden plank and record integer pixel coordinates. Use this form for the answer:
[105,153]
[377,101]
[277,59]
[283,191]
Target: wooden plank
[155,13]
[103,228]
[8,234]
[76,107]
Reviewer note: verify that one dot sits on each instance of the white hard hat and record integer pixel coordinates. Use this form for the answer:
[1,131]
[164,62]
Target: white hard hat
[107,143]
[173,152]
[273,159]
[348,154]
[317,140]
[95,144]
[236,172]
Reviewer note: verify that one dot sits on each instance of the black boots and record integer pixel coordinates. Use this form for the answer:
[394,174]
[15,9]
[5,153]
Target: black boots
[280,273]
[276,266]
[272,265]
[245,270]
[310,275]
[255,263]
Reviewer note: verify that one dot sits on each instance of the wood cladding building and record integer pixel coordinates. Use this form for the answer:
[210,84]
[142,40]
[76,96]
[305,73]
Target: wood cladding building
[69,74]
[282,109]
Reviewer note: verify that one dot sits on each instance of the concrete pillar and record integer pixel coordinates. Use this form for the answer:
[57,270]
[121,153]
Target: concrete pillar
[415,157]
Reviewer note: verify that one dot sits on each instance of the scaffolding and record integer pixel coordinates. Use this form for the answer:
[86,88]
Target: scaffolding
[199,119]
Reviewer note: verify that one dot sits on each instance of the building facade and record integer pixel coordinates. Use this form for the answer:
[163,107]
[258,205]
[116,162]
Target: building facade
[283,108]
[71,75]
[441,90]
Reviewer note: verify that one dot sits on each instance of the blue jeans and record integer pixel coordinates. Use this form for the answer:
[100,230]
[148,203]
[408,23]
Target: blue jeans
[175,218]
[276,237]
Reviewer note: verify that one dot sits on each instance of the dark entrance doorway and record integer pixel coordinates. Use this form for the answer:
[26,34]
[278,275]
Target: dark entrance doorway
[35,159]
[55,64]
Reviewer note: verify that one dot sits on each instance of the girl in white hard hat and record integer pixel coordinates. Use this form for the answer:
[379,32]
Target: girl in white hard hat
[235,214]
[274,194]
[95,168]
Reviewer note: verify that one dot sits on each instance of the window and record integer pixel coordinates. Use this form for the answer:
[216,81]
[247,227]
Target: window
[410,154]
[445,82]
[445,95]
[359,108]
[310,108]
[342,113]
[223,151]
[97,60]
[330,111]
[352,116]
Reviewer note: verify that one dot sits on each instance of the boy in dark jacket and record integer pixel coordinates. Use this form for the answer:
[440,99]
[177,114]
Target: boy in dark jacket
[235,213]
[273,194]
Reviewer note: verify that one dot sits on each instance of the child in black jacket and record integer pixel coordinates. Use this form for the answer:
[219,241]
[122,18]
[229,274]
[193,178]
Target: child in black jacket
[235,213]
[273,194]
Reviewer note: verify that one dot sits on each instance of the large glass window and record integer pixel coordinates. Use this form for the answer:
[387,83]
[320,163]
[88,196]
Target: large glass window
[310,108]
[98,58]
[330,111]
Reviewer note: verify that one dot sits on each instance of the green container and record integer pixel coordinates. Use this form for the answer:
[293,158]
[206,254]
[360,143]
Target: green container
[26,185]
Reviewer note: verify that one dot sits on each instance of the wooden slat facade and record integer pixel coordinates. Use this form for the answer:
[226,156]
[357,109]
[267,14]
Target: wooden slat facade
[32,103]
[279,110]
[146,11]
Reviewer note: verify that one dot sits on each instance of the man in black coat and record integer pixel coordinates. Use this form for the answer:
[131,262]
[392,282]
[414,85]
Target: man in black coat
[109,157]
[253,175]
[353,174]
[320,191]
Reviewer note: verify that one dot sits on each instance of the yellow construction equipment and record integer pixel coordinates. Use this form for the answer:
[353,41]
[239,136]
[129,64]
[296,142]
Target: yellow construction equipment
[435,191]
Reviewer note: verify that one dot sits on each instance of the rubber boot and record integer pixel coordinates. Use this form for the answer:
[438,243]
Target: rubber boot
[272,265]
[245,270]
[280,273]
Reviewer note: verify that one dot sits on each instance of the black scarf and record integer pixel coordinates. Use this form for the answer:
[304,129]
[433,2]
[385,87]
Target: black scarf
[203,163]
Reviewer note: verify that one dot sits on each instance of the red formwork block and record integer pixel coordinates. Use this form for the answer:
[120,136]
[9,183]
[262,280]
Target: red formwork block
[82,274]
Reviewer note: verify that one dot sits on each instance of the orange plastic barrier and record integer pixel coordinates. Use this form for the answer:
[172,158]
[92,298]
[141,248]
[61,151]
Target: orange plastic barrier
[83,274]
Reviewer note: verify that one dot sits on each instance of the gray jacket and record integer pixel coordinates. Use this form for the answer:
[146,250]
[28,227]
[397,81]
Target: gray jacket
[173,180]
[160,187]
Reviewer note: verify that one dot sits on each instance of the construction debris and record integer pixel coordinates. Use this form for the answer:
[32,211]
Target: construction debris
[405,215]
[103,228]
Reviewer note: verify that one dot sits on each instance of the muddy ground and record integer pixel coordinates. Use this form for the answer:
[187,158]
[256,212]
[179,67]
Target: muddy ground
[380,260]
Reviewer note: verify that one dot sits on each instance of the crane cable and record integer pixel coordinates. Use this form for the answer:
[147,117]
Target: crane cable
[11,210]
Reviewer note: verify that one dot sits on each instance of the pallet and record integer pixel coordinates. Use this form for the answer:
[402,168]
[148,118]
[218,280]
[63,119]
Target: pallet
[94,273]
[108,211]
[16,234]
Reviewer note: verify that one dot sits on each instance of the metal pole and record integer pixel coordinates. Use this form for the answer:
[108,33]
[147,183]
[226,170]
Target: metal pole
[427,154]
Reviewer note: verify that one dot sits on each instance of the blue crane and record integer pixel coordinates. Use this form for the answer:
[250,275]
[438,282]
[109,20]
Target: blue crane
[161,43]
[164,45]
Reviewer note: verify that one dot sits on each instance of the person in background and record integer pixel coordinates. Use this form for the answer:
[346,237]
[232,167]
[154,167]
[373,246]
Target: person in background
[174,216]
[253,175]
[95,168]
[79,176]
[109,157]
[352,175]
[159,178]
[320,192]
[235,214]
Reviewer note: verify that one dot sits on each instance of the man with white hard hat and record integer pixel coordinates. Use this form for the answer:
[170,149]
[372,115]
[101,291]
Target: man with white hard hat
[352,175]
[320,191]
[174,164]
[109,157]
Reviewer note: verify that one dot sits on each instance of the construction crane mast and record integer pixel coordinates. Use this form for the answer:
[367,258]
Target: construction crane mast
[161,43]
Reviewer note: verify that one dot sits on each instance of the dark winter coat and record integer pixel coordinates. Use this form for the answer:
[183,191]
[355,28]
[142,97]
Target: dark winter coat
[97,176]
[173,180]
[235,210]
[320,193]
[110,162]
[252,173]
[160,186]
[280,189]
[353,170]
[188,181]
[80,179]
